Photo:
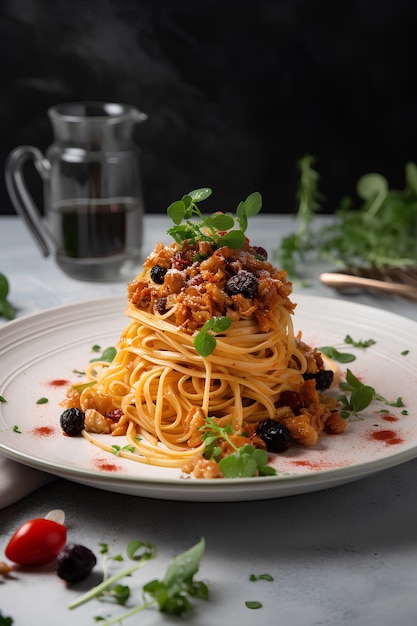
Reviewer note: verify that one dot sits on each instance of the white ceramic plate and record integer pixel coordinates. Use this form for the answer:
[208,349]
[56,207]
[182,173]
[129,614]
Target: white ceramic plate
[40,350]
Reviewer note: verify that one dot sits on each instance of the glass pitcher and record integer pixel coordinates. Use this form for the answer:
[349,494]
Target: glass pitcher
[93,205]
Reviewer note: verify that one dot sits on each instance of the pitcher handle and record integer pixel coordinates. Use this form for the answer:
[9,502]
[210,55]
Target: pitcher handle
[20,196]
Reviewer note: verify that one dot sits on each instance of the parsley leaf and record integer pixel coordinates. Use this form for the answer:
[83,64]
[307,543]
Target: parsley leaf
[205,342]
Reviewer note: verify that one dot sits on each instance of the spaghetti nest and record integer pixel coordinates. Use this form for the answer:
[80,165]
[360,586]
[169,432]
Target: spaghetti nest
[159,389]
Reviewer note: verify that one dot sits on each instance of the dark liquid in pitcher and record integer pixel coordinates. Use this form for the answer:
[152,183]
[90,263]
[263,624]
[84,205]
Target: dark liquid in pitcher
[94,229]
[95,237]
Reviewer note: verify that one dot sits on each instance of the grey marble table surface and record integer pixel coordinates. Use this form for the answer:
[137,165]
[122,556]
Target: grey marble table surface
[340,556]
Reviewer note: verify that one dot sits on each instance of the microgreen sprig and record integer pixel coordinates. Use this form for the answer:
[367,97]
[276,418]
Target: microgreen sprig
[360,396]
[141,553]
[333,353]
[245,462]
[346,357]
[172,592]
[204,341]
[117,449]
[217,228]
[361,343]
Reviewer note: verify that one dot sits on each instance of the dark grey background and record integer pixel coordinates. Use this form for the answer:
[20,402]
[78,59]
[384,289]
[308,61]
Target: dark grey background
[236,92]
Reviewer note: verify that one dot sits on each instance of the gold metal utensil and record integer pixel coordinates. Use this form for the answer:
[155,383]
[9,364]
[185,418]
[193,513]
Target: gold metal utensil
[400,281]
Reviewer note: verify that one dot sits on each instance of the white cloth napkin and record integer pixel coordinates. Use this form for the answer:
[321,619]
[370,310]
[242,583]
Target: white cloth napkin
[17,481]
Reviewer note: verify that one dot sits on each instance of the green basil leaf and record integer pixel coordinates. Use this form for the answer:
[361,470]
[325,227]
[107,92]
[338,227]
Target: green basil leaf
[219,324]
[204,343]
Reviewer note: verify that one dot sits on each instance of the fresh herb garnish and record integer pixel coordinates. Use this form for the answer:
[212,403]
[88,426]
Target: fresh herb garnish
[333,353]
[107,355]
[5,621]
[361,396]
[171,594]
[42,401]
[359,344]
[2,399]
[395,403]
[117,449]
[405,352]
[142,553]
[255,577]
[204,341]
[16,429]
[6,309]
[253,604]
[80,388]
[78,372]
[217,228]
[381,231]
[245,462]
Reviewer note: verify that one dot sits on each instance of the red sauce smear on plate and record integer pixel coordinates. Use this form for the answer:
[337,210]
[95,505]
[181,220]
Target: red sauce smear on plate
[58,382]
[389,437]
[101,464]
[43,431]
[390,418]
[316,465]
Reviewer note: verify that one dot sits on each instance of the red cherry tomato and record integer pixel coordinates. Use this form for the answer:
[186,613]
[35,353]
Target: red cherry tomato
[37,542]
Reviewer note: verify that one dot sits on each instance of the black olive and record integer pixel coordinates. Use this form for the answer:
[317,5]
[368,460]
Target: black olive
[243,282]
[324,379]
[276,436]
[74,563]
[158,274]
[72,421]
[161,306]
[261,252]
